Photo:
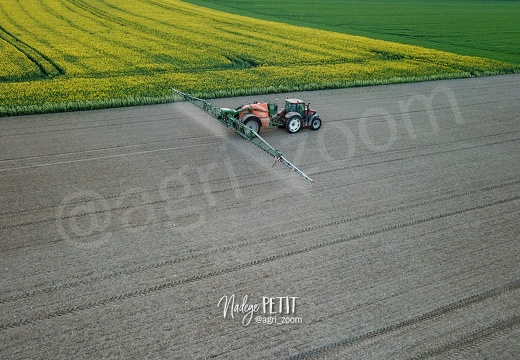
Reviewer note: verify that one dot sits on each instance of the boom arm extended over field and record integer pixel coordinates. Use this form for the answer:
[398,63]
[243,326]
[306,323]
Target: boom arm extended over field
[227,118]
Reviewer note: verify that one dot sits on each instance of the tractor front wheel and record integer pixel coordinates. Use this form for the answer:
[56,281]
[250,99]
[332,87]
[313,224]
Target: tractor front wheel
[294,124]
[316,123]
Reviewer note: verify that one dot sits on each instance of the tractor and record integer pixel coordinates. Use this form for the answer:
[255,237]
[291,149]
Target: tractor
[247,120]
[295,115]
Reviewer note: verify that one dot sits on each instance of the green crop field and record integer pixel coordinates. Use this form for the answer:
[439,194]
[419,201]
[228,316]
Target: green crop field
[86,54]
[487,28]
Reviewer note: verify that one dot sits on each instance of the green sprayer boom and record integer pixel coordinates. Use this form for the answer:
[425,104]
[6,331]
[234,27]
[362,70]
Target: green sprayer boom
[228,118]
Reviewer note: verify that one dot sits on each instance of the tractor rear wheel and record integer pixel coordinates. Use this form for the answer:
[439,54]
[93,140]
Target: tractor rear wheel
[294,124]
[316,123]
[253,123]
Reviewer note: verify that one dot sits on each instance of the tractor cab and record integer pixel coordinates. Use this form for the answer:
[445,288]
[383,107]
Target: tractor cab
[298,114]
[295,105]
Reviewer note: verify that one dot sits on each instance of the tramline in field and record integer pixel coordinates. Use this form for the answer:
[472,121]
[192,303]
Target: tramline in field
[247,120]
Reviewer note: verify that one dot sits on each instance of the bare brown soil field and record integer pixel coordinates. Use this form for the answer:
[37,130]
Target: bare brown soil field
[125,232]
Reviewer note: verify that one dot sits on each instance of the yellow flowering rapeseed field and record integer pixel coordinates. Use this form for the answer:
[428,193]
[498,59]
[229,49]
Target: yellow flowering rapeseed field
[58,55]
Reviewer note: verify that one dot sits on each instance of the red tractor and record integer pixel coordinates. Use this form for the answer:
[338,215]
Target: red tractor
[248,119]
[295,115]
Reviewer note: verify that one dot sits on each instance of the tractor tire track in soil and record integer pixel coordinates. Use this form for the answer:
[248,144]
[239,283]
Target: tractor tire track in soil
[123,228]
[279,235]
[298,231]
[500,325]
[50,206]
[469,341]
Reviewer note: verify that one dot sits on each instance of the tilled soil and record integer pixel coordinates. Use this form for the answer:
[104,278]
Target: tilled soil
[126,232]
